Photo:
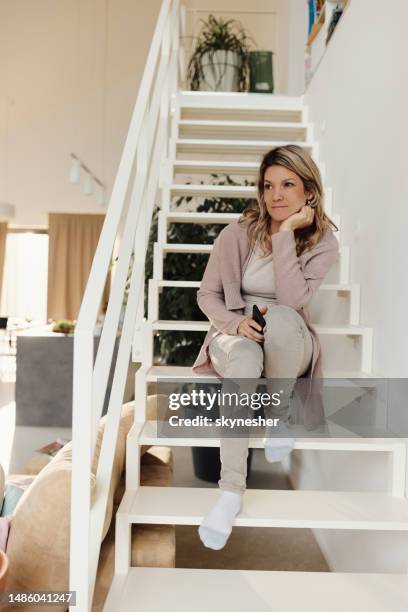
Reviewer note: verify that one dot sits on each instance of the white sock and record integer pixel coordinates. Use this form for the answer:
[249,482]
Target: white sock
[276,448]
[216,526]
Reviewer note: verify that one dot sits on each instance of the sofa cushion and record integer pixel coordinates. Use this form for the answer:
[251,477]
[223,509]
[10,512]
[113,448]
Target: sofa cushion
[2,480]
[4,531]
[14,489]
[38,544]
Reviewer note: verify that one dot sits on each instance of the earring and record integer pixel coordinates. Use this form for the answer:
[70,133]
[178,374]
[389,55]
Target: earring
[312,202]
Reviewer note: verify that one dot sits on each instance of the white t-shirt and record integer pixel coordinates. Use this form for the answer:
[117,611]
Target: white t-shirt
[258,281]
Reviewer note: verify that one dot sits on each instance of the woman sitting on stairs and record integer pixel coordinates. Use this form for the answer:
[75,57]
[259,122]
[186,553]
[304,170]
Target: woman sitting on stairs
[276,256]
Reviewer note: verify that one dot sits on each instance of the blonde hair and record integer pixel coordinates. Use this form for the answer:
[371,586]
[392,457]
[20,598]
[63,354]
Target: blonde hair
[297,160]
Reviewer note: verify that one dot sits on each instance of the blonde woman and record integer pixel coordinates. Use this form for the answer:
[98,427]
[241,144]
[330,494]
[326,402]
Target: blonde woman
[275,256]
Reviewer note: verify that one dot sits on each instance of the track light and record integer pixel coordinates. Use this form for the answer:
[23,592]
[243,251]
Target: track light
[88,185]
[91,182]
[75,172]
[101,196]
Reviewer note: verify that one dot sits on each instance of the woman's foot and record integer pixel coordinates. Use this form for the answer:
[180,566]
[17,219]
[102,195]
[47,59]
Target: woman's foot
[216,526]
[278,442]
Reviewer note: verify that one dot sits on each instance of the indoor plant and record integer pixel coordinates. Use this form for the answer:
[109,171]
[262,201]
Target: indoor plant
[63,326]
[220,60]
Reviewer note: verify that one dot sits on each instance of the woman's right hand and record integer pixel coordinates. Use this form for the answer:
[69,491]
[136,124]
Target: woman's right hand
[250,328]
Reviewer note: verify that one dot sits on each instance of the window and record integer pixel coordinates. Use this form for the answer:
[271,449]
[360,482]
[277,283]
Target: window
[24,292]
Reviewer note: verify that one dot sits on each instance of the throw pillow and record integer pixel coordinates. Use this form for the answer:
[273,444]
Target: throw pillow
[15,488]
[2,479]
[38,543]
[4,531]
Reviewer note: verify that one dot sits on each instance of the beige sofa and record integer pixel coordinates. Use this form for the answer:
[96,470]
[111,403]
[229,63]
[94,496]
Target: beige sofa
[38,543]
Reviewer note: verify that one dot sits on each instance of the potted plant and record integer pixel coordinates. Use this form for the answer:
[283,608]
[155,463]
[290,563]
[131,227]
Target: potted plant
[63,326]
[220,60]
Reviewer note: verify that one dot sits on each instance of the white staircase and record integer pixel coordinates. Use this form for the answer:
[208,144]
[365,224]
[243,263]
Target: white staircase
[386,511]
[227,133]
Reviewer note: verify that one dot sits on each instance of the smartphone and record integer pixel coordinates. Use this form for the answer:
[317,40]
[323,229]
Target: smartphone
[257,316]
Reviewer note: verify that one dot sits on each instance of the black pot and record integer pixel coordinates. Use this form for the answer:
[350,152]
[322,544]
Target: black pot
[207,463]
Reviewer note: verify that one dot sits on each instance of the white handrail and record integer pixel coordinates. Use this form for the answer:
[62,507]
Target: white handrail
[143,153]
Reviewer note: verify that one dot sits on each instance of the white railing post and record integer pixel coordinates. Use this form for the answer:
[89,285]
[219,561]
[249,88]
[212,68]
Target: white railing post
[182,64]
[81,468]
[141,157]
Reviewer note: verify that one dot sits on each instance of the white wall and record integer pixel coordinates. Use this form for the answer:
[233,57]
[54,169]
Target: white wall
[298,26]
[357,100]
[69,74]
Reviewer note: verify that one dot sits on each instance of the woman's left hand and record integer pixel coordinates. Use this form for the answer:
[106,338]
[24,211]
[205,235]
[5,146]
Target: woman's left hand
[303,218]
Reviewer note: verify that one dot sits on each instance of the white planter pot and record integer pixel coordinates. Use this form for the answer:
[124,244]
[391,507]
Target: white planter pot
[221,71]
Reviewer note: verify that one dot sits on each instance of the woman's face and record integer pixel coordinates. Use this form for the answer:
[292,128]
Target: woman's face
[284,193]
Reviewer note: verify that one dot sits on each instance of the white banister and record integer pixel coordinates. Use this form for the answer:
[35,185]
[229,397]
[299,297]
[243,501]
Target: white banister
[131,207]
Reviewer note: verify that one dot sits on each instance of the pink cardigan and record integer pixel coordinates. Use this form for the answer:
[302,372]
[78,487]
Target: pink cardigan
[296,281]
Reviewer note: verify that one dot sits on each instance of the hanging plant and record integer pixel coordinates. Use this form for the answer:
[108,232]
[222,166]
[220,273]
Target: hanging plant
[219,35]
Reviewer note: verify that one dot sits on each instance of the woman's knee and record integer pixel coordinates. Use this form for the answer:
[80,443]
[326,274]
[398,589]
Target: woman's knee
[282,323]
[245,356]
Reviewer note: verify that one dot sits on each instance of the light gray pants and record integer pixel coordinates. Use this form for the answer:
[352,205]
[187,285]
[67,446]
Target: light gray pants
[286,354]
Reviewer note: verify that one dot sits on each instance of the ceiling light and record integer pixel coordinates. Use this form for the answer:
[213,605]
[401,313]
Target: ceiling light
[101,197]
[88,185]
[75,172]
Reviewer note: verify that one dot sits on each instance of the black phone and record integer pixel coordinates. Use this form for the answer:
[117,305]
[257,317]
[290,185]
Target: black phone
[257,316]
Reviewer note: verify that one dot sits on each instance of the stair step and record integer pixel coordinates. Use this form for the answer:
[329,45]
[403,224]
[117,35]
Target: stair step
[199,217]
[340,439]
[185,372]
[348,287]
[182,166]
[185,166]
[210,217]
[241,114]
[342,274]
[173,247]
[252,129]
[270,508]
[175,283]
[176,247]
[229,191]
[166,217]
[340,330]
[226,191]
[182,589]
[231,102]
[242,168]
[169,325]
[228,146]
[352,291]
